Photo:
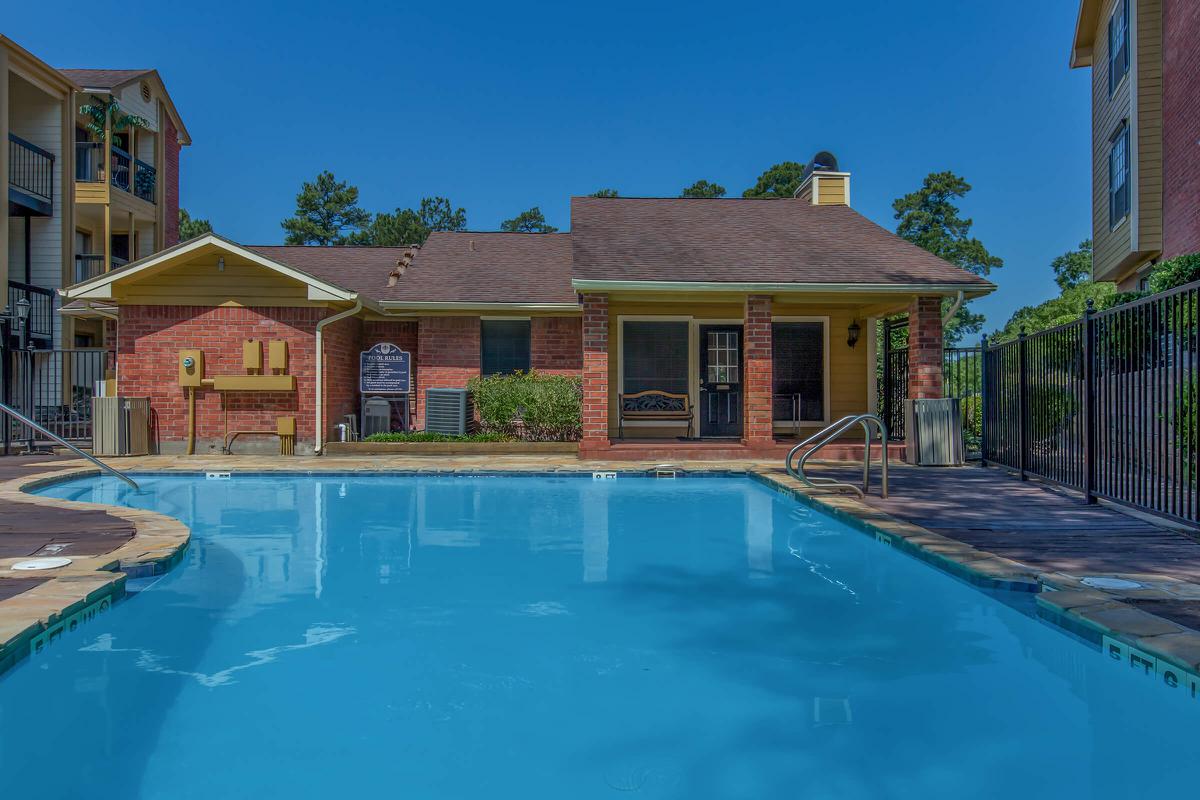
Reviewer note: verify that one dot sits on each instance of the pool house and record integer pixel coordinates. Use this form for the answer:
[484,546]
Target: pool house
[701,328]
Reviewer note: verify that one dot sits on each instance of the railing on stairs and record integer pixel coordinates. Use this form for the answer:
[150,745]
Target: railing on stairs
[827,435]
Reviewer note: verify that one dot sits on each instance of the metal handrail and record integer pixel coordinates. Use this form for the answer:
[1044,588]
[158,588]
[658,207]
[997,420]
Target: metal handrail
[825,436]
[24,420]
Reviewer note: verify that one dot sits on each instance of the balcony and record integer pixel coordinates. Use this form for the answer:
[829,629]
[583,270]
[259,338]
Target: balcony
[41,308]
[89,266]
[128,173]
[30,179]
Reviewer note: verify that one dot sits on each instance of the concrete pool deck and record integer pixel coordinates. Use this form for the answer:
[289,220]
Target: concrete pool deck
[981,525]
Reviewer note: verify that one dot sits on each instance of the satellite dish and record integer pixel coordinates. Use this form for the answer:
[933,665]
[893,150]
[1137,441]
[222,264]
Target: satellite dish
[823,161]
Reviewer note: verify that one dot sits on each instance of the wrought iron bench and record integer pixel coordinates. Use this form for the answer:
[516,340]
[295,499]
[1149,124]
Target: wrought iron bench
[654,404]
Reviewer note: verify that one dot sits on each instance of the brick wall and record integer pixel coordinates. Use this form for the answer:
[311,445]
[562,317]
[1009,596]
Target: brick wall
[925,348]
[1181,127]
[170,178]
[595,372]
[342,342]
[149,339]
[556,345]
[447,356]
[758,369]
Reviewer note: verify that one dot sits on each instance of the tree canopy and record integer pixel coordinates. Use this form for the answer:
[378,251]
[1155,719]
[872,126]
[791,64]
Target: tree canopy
[531,221]
[407,226]
[781,180]
[190,228]
[1074,266]
[1067,307]
[327,213]
[605,193]
[703,188]
[929,219]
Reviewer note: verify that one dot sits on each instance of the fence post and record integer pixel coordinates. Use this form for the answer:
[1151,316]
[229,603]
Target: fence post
[1089,403]
[1023,406]
[983,400]
[887,374]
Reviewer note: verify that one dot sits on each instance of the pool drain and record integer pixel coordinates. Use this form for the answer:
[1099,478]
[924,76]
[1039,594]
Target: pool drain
[42,563]
[1110,583]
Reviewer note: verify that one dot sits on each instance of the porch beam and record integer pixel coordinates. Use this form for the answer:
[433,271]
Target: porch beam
[758,429]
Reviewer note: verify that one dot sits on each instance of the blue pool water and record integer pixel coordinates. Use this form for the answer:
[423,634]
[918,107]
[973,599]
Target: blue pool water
[540,637]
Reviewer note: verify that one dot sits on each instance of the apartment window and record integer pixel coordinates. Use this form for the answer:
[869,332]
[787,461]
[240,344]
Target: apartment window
[654,356]
[798,371]
[1118,45]
[1118,177]
[504,346]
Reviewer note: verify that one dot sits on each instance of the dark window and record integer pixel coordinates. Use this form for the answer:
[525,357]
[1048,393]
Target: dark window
[655,356]
[798,368]
[504,346]
[1118,177]
[1118,45]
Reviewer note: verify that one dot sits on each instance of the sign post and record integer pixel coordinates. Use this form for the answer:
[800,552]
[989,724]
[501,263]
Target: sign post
[384,375]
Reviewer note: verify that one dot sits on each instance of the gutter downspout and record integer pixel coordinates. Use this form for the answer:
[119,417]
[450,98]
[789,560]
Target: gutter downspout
[319,406]
[954,307]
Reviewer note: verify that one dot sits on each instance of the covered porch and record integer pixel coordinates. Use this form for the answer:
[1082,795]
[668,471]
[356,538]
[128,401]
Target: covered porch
[720,374]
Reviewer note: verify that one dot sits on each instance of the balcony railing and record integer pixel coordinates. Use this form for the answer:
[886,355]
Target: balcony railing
[128,173]
[90,265]
[30,176]
[144,176]
[40,323]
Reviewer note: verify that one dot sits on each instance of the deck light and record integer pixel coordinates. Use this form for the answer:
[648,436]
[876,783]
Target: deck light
[852,333]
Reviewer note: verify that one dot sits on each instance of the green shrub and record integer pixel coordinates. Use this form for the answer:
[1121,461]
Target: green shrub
[1175,272]
[430,436]
[530,406]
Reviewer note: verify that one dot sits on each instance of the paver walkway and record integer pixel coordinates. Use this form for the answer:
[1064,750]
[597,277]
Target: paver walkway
[1029,522]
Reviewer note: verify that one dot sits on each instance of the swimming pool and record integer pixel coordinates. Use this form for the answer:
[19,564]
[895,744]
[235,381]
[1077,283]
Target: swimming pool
[559,637]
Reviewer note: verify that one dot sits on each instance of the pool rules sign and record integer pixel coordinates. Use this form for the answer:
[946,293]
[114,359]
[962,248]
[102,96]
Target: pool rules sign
[384,369]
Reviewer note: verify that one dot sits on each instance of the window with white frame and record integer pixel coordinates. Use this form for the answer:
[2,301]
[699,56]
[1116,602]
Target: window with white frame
[798,371]
[1118,176]
[1118,45]
[654,355]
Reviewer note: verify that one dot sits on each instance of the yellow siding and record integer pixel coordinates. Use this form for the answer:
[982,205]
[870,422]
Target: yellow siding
[831,191]
[91,192]
[200,283]
[1110,246]
[1150,122]
[847,367]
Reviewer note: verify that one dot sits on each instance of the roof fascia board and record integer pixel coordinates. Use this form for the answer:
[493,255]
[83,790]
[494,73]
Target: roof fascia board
[972,289]
[1083,44]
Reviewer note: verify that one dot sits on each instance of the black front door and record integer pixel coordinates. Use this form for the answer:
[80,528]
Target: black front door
[721,380]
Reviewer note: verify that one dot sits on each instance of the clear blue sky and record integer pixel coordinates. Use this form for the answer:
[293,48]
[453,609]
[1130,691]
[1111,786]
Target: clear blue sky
[502,107]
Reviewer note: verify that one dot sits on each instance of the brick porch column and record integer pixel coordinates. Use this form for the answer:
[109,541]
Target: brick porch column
[925,348]
[758,381]
[595,372]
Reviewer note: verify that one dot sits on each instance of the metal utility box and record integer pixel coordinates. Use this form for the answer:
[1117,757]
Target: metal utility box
[120,426]
[191,367]
[448,411]
[934,432]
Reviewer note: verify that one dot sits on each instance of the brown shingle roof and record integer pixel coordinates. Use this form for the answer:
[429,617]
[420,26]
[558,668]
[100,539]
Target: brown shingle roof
[745,240]
[104,78]
[360,269]
[488,268]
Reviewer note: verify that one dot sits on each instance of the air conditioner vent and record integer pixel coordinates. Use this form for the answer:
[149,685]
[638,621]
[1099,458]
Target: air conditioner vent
[448,411]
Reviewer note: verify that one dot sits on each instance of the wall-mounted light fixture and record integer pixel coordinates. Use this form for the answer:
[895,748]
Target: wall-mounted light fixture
[221,264]
[852,333]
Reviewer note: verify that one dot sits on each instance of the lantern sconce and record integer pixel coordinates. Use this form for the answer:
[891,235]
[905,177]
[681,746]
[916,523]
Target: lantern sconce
[852,333]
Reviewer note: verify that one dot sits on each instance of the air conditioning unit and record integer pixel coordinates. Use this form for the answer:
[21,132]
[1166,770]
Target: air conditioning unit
[448,411]
[120,426]
[933,431]
[377,416]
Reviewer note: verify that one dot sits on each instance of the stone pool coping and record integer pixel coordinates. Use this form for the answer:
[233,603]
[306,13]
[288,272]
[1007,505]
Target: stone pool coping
[1099,616]
[158,543]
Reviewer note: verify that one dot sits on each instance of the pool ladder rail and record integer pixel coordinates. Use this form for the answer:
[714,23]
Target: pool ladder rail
[24,420]
[827,435]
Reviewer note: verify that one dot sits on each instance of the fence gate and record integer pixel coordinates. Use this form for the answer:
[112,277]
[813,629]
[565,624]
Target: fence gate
[53,388]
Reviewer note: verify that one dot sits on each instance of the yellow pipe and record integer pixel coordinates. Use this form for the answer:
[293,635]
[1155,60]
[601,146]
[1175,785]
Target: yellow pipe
[191,439]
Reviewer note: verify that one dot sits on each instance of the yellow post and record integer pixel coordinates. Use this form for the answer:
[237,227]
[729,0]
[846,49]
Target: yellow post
[107,191]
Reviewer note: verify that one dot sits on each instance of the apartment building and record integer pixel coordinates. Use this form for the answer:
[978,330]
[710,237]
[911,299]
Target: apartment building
[91,161]
[1145,132]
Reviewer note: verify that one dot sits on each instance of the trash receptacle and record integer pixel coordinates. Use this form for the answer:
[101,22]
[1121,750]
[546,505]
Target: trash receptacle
[933,432]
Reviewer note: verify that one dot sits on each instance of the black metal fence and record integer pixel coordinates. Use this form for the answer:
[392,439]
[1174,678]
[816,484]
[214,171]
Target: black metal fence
[1105,405]
[54,388]
[40,323]
[31,170]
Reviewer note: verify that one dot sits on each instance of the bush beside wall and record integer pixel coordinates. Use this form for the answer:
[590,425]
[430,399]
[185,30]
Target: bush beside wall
[529,406]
